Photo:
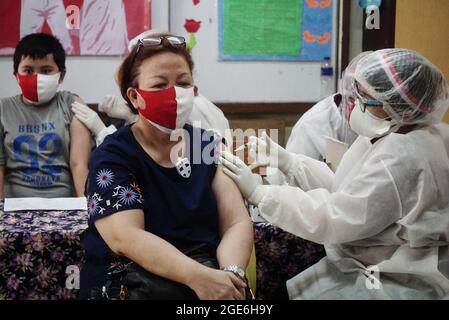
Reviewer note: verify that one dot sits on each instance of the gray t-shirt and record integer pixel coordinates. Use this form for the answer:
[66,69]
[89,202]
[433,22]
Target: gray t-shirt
[34,147]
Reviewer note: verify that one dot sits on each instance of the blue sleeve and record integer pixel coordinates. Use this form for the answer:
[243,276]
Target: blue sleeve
[111,186]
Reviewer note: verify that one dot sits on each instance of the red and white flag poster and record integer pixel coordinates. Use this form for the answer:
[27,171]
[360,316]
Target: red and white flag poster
[84,27]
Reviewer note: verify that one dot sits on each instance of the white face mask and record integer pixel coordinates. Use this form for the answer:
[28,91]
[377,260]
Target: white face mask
[39,88]
[366,124]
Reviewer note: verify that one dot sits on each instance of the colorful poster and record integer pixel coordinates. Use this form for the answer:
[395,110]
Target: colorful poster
[289,30]
[84,27]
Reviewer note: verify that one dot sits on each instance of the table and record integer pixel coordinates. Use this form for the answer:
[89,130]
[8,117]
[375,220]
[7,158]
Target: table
[37,248]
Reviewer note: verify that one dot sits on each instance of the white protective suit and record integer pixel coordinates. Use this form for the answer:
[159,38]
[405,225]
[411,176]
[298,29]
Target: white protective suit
[208,116]
[383,217]
[387,206]
[322,121]
[325,120]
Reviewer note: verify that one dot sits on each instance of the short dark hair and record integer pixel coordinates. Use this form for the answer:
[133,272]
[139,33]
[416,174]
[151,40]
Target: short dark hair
[127,73]
[37,46]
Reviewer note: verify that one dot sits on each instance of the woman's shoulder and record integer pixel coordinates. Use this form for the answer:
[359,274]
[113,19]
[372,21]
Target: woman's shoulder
[117,147]
[206,135]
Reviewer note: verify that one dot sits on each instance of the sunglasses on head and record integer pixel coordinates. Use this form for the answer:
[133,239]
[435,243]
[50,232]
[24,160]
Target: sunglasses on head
[176,41]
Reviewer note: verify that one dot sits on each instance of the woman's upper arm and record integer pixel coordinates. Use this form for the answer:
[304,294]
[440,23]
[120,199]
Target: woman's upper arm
[114,199]
[114,227]
[231,207]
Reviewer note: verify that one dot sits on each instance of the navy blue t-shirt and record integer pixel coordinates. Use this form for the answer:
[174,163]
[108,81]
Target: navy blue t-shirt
[122,176]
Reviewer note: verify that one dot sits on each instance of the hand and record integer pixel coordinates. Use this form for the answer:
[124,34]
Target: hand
[212,284]
[89,117]
[115,107]
[242,175]
[267,152]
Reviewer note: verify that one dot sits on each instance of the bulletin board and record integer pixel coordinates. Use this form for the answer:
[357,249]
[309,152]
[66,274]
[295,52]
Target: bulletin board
[281,30]
[248,81]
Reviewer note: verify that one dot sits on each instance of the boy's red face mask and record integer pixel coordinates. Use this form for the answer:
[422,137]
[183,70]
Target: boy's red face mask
[38,88]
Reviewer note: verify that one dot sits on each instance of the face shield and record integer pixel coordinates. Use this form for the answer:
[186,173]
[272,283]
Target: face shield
[345,134]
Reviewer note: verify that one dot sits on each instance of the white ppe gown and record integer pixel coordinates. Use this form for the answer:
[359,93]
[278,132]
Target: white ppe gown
[208,116]
[386,209]
[310,133]
[322,121]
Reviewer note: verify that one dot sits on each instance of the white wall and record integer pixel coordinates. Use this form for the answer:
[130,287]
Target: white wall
[355,30]
[93,77]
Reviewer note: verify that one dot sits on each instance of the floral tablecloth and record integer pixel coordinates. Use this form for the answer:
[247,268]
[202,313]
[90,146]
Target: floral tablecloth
[41,253]
[280,256]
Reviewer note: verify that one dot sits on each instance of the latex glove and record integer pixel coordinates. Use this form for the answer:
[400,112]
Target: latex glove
[116,107]
[104,133]
[89,117]
[246,180]
[266,152]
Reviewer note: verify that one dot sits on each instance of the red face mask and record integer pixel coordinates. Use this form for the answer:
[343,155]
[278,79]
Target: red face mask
[39,88]
[167,109]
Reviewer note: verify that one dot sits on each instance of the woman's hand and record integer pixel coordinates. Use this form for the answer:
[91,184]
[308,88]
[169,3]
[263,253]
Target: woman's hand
[212,284]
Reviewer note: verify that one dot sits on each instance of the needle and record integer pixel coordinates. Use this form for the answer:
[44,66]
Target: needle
[243,146]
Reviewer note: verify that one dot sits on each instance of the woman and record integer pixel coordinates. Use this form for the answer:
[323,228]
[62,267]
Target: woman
[384,216]
[142,206]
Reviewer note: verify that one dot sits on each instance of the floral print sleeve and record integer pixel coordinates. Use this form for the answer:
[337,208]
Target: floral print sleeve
[111,188]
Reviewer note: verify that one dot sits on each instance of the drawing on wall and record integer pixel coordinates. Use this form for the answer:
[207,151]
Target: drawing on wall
[289,30]
[84,27]
[192,26]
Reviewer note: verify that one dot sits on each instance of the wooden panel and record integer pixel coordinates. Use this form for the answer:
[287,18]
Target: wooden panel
[424,26]
[258,125]
[266,116]
[264,108]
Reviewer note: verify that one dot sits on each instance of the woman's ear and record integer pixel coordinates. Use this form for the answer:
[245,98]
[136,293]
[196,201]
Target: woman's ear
[132,95]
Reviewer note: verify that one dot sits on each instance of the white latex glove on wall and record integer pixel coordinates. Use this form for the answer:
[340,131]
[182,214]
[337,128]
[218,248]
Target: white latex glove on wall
[92,121]
[249,183]
[116,107]
[266,152]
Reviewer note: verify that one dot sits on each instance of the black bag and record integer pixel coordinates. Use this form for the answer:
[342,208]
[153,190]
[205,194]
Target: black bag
[129,281]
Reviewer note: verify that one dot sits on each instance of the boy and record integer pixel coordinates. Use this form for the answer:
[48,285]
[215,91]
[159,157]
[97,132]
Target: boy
[44,150]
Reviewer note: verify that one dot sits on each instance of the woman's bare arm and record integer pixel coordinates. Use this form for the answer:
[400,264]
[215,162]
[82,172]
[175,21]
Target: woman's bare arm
[235,225]
[124,233]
